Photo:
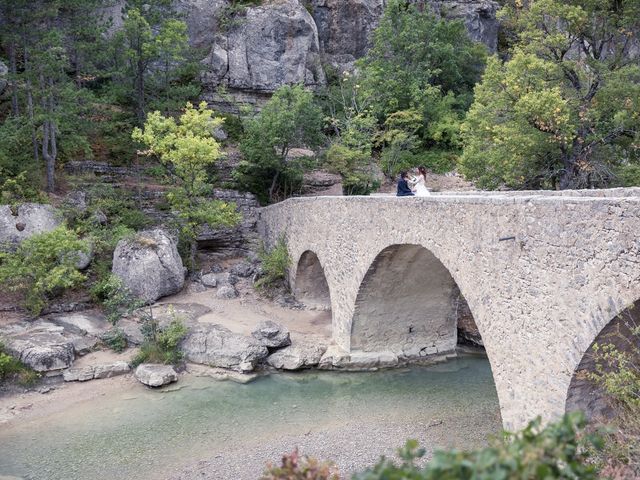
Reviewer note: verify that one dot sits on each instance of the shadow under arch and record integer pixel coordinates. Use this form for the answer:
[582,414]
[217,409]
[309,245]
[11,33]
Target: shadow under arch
[583,393]
[407,303]
[310,285]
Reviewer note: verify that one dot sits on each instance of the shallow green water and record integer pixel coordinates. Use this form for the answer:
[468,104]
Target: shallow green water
[138,433]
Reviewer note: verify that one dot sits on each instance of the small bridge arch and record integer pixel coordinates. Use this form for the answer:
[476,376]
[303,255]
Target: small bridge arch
[310,283]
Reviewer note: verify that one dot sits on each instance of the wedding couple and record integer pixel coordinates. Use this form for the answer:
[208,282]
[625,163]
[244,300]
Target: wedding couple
[409,186]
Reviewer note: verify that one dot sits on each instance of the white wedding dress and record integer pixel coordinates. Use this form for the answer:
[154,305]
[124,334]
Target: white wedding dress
[420,186]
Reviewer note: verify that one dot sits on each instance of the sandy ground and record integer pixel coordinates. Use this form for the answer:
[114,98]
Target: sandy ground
[241,315]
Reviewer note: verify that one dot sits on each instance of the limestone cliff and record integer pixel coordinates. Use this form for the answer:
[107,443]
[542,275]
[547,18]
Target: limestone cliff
[251,52]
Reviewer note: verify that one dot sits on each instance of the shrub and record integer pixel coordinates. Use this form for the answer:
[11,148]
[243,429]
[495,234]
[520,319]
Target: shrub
[617,373]
[116,298]
[160,344]
[115,339]
[43,266]
[12,368]
[297,467]
[275,264]
[559,451]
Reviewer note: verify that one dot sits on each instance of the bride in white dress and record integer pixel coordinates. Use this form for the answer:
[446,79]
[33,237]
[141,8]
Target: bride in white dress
[420,183]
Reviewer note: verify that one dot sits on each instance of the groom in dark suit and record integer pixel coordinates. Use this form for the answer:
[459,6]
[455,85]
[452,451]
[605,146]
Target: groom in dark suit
[403,186]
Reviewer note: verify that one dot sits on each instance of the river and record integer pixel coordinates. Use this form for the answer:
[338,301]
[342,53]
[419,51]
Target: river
[202,428]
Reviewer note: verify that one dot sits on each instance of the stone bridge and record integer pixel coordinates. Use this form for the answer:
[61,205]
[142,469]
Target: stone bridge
[542,272]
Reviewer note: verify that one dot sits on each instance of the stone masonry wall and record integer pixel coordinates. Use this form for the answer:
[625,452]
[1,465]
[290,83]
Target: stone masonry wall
[542,274]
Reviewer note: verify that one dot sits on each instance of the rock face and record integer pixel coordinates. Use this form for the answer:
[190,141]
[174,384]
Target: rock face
[320,183]
[272,335]
[154,375]
[236,240]
[21,222]
[83,374]
[297,356]
[149,265]
[263,48]
[479,17]
[255,50]
[217,346]
[344,27]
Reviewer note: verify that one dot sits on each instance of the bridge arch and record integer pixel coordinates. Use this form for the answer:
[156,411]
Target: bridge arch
[583,394]
[406,303]
[310,283]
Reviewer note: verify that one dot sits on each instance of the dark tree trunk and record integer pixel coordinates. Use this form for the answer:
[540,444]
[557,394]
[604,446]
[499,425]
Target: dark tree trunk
[34,138]
[49,140]
[140,104]
[15,108]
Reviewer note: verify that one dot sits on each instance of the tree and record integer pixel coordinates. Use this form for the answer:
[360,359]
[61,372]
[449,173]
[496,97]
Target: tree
[414,52]
[186,148]
[562,112]
[152,59]
[46,104]
[422,68]
[290,119]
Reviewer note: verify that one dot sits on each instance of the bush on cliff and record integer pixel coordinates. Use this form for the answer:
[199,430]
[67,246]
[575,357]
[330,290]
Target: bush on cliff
[43,266]
[185,146]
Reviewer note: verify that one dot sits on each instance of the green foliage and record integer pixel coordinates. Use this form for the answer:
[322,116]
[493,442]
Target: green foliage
[275,265]
[629,175]
[544,120]
[161,344]
[417,80]
[186,148]
[115,339]
[557,451]
[617,372]
[16,189]
[43,266]
[116,298]
[290,119]
[13,369]
[300,467]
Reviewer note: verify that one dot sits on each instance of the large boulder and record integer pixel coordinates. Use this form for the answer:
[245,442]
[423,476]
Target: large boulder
[262,49]
[149,265]
[272,334]
[297,356]
[41,345]
[155,375]
[23,221]
[217,346]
